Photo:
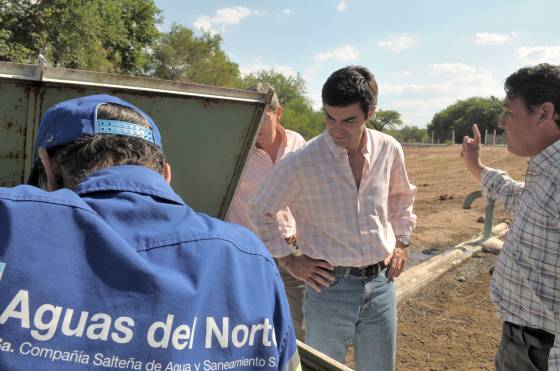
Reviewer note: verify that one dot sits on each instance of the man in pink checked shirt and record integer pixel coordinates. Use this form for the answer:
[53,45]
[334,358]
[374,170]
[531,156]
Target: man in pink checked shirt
[352,202]
[273,143]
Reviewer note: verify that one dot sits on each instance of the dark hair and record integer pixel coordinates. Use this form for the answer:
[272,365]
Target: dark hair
[536,85]
[87,154]
[349,85]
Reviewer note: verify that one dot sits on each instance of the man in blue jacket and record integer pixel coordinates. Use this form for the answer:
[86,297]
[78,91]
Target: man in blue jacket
[111,269]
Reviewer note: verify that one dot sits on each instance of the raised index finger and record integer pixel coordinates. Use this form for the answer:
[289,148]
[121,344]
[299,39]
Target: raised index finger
[476,133]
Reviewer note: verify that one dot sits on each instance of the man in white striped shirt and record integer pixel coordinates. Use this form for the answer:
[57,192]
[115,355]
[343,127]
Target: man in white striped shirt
[350,196]
[526,280]
[273,143]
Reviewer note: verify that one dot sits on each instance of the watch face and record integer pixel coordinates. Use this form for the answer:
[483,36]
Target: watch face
[404,240]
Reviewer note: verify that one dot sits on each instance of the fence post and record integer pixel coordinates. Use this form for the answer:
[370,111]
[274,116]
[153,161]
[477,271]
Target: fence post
[494,138]
[432,137]
[453,137]
[485,136]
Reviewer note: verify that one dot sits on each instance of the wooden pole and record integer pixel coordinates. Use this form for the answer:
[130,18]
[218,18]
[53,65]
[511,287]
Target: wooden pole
[313,360]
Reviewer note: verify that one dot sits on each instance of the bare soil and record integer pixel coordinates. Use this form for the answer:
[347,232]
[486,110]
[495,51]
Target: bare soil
[451,324]
[443,183]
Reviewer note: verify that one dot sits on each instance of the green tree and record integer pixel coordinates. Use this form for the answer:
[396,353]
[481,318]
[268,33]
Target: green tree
[11,11]
[410,134]
[463,114]
[385,119]
[298,113]
[129,30]
[300,117]
[181,55]
[288,88]
[102,35]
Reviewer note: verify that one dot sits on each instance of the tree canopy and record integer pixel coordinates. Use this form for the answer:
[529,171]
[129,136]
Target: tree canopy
[409,134]
[298,113]
[461,115]
[181,55]
[385,119]
[101,35]
[122,36]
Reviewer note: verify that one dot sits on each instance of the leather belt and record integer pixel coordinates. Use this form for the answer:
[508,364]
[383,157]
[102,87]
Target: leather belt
[367,271]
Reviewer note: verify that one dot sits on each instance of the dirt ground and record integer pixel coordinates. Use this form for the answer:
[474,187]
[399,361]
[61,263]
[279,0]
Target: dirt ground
[450,325]
[442,184]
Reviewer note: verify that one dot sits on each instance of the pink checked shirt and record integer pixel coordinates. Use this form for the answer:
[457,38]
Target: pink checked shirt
[336,221]
[258,165]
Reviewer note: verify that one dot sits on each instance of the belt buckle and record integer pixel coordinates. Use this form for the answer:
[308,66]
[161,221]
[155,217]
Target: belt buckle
[363,272]
[369,271]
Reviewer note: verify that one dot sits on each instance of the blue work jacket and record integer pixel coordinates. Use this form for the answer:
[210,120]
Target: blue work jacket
[121,274]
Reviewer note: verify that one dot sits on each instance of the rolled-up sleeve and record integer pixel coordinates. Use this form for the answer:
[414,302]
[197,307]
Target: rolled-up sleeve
[401,197]
[496,184]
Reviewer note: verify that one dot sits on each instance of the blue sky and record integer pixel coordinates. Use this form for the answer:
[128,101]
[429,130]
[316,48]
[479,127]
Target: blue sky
[425,55]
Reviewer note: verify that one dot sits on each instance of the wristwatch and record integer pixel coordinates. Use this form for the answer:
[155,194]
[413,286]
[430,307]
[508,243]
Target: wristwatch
[404,240]
[293,246]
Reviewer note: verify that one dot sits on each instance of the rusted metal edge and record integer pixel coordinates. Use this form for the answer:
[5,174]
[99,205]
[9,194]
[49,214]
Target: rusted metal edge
[41,73]
[240,168]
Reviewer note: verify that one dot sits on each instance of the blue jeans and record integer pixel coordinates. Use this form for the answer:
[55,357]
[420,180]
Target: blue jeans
[354,310]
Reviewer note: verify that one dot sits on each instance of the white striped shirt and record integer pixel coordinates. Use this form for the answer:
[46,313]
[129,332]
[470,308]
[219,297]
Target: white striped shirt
[257,167]
[526,281]
[336,221]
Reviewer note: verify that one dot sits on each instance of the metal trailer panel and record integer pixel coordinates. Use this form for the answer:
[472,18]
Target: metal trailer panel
[207,132]
[13,130]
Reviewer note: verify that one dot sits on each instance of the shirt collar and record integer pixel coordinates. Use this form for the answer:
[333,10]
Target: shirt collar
[283,144]
[129,178]
[341,154]
[550,153]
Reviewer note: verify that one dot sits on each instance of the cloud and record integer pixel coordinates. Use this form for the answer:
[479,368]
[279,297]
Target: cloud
[283,69]
[448,82]
[343,54]
[287,11]
[309,73]
[340,7]
[482,38]
[223,18]
[397,43]
[451,69]
[538,54]
[403,74]
[316,101]
[465,80]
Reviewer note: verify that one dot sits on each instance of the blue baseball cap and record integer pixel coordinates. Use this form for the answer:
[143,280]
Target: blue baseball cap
[67,121]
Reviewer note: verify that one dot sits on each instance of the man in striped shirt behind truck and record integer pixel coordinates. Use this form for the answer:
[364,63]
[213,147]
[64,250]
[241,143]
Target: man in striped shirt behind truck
[526,280]
[273,144]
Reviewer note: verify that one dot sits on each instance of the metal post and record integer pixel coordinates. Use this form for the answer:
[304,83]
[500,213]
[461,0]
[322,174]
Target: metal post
[485,136]
[488,212]
[432,137]
[494,138]
[453,137]
[489,218]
